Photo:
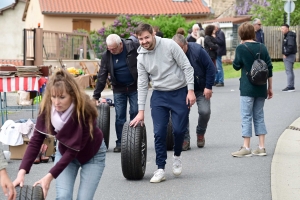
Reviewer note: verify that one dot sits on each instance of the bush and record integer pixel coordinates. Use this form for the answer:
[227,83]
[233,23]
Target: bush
[124,26]
[169,25]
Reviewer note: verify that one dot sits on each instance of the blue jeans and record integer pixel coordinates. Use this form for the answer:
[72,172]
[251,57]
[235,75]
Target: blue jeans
[252,108]
[162,104]
[204,115]
[90,175]
[121,108]
[220,73]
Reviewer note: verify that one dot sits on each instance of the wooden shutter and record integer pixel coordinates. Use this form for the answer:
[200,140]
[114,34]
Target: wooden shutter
[82,24]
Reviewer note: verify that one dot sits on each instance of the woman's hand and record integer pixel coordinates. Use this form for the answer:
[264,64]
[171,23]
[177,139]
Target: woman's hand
[45,183]
[20,178]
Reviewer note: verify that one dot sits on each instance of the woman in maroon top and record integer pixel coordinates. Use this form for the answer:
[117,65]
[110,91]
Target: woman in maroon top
[68,114]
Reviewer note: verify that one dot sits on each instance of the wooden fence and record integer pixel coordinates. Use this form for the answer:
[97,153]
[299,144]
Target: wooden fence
[274,38]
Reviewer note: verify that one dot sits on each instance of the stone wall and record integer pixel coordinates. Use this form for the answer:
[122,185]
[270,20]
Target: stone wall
[221,6]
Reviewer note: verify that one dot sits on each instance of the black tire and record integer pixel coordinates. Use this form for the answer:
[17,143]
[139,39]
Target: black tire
[134,151]
[28,192]
[170,137]
[103,121]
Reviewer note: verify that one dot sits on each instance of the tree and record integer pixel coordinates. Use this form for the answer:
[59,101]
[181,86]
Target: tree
[270,12]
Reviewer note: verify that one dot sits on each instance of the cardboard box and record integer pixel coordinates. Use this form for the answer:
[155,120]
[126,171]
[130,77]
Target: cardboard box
[17,152]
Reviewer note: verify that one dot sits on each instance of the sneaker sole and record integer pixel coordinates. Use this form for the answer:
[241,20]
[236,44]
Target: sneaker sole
[260,154]
[289,91]
[240,156]
[177,174]
[158,181]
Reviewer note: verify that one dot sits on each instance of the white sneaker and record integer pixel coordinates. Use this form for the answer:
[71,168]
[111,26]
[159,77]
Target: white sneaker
[177,165]
[159,176]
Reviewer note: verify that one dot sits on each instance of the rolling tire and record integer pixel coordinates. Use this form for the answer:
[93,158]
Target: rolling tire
[103,121]
[134,151]
[28,192]
[170,137]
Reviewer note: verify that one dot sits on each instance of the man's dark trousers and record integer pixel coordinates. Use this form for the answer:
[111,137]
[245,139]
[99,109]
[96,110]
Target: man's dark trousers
[162,104]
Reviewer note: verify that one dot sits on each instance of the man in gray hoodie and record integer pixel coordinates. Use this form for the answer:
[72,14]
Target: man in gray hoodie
[173,92]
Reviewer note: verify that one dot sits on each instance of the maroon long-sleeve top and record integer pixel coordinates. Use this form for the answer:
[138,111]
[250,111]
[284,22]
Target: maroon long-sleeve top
[74,142]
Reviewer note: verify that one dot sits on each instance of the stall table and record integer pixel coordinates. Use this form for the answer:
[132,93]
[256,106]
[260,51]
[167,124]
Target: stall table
[12,84]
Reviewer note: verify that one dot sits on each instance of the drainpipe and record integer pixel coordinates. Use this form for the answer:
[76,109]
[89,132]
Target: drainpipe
[38,47]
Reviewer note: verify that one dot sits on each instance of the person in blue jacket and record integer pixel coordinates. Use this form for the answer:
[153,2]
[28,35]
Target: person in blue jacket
[204,77]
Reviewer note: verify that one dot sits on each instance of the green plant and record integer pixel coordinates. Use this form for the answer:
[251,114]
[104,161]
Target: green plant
[169,24]
[124,26]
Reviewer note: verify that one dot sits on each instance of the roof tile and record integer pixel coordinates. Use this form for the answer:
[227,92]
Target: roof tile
[117,7]
[11,62]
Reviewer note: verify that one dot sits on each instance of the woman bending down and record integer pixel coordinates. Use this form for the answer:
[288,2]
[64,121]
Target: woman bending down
[67,113]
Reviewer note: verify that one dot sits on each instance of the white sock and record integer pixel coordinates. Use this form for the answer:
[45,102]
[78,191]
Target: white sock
[247,148]
[260,147]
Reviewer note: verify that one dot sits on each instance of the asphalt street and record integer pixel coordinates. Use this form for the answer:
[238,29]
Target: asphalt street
[208,173]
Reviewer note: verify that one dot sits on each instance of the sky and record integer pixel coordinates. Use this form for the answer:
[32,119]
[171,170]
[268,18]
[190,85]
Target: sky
[4,3]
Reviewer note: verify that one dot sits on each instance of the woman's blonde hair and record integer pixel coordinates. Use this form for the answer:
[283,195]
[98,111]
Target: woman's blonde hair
[62,81]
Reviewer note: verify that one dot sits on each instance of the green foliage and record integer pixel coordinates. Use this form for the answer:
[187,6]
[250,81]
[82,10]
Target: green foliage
[124,26]
[229,72]
[169,25]
[273,15]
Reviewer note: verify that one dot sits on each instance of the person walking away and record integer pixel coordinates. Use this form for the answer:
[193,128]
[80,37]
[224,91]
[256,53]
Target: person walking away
[173,93]
[289,50]
[120,61]
[252,97]
[259,34]
[221,42]
[210,43]
[67,113]
[204,77]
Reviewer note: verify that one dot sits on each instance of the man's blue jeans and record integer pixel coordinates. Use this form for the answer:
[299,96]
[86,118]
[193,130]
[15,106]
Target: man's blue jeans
[220,73]
[121,108]
[90,174]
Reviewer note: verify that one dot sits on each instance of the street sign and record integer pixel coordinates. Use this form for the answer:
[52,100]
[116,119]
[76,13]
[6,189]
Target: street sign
[289,6]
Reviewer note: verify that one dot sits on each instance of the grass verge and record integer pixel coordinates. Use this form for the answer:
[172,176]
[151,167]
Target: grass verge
[229,72]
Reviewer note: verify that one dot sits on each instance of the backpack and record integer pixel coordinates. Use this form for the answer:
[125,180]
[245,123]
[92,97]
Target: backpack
[259,72]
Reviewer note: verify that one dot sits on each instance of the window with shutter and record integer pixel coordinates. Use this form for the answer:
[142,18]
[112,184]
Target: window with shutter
[82,24]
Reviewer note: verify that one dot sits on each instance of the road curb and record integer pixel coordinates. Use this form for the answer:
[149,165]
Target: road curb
[285,167]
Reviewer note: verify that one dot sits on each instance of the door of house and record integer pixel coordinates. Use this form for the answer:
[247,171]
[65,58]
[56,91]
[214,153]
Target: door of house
[82,24]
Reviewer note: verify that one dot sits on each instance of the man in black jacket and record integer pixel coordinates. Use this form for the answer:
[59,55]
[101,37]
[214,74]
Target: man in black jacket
[120,60]
[204,77]
[221,42]
[289,50]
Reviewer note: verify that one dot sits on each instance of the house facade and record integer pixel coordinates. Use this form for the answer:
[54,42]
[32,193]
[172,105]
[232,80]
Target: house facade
[11,31]
[68,15]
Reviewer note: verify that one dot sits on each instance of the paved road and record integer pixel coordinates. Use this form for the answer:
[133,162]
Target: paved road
[210,172]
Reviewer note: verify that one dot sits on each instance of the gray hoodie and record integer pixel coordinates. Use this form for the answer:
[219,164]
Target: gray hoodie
[168,67]
[3,162]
